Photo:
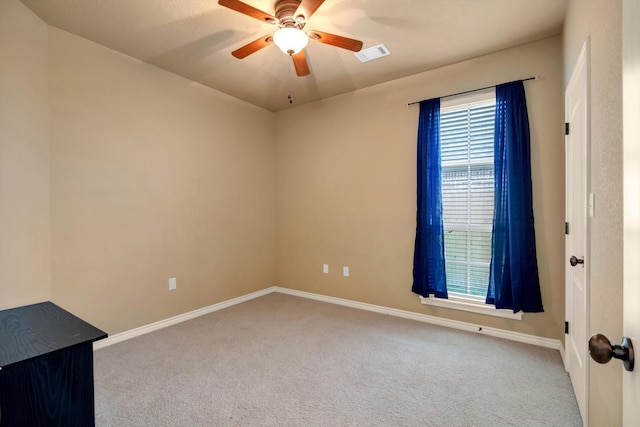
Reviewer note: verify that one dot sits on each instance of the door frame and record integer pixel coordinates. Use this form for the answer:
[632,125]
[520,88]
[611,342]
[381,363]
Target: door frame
[631,203]
[582,61]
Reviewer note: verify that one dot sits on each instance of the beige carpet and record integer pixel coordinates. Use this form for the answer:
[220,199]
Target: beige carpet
[285,361]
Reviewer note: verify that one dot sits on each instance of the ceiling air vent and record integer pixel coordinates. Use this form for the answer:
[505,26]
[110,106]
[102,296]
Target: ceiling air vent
[374,52]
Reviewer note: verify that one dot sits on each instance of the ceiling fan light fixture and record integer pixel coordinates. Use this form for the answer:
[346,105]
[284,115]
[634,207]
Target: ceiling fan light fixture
[290,40]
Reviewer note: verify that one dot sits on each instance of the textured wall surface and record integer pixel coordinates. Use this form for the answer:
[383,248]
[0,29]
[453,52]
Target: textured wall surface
[152,177]
[25,232]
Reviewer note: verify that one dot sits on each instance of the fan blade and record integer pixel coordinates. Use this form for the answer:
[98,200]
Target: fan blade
[308,7]
[248,10]
[300,64]
[333,40]
[252,47]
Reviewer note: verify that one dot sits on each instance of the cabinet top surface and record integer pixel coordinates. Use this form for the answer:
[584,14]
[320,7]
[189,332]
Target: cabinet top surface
[37,329]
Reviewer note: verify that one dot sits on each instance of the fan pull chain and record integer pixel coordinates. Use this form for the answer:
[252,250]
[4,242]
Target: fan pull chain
[290,83]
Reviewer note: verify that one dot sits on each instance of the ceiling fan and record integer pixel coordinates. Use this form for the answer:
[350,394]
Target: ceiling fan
[290,16]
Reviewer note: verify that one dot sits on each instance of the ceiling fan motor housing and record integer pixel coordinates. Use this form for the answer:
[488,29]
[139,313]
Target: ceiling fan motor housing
[285,11]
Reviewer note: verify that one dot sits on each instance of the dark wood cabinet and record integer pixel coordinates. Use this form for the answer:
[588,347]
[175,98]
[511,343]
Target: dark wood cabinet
[46,367]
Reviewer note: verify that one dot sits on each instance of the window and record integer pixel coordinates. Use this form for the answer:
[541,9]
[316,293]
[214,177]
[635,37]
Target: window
[455,245]
[466,135]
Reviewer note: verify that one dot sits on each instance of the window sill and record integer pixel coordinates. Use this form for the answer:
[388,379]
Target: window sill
[465,304]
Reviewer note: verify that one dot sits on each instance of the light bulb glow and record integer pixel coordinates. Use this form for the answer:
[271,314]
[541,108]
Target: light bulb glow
[290,40]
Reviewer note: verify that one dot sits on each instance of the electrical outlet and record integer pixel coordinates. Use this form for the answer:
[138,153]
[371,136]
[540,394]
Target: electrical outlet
[325,268]
[172,283]
[345,271]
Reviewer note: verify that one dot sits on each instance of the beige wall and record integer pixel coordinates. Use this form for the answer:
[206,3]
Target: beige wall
[601,21]
[25,231]
[152,177]
[346,185]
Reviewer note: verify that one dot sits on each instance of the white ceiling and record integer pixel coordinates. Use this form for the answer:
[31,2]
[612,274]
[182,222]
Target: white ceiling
[195,38]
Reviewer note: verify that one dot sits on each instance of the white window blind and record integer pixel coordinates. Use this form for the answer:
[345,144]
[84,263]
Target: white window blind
[466,134]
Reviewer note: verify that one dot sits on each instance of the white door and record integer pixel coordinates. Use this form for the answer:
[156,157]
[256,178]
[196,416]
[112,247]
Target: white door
[631,143]
[576,242]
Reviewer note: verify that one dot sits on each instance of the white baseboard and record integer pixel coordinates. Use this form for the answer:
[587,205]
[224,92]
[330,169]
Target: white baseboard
[455,324]
[132,333]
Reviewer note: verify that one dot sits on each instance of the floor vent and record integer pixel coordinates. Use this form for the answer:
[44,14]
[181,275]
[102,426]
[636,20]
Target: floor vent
[374,52]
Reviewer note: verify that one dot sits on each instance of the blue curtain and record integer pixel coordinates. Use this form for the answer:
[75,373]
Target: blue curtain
[513,278]
[428,257]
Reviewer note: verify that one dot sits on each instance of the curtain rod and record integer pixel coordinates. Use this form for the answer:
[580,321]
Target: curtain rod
[474,90]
